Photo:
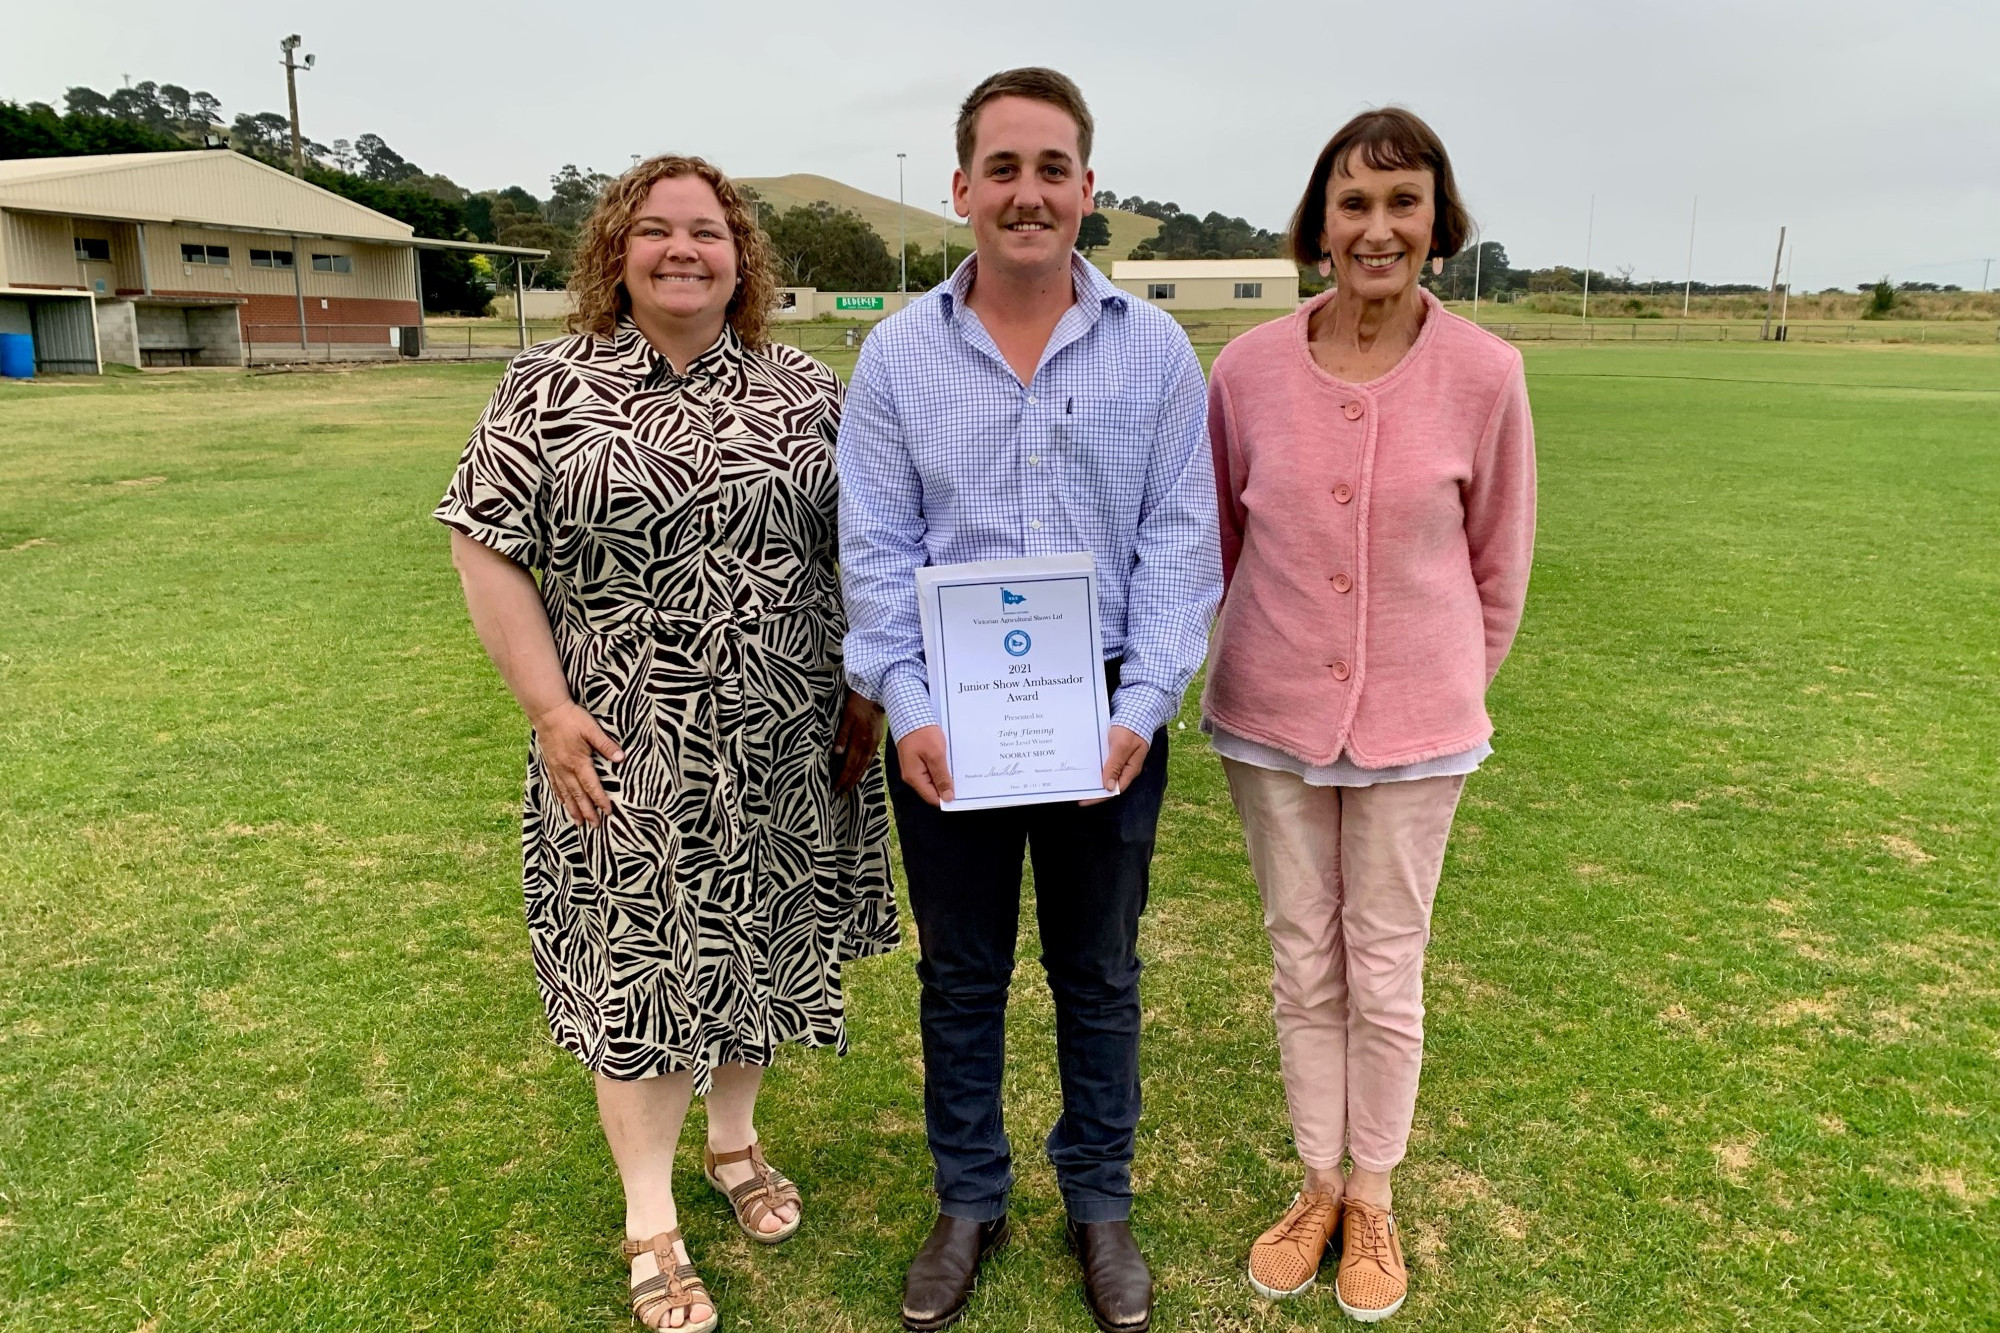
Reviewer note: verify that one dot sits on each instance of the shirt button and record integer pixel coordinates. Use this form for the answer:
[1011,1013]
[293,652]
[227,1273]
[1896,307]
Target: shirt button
[1352,411]
[1034,460]
[1343,493]
[1340,671]
[1031,398]
[1035,523]
[1341,583]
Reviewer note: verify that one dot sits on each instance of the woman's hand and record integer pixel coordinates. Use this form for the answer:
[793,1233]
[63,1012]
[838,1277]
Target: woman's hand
[855,739]
[571,741]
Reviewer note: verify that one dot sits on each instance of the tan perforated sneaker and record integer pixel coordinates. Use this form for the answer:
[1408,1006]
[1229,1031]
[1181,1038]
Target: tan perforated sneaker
[1372,1281]
[1284,1261]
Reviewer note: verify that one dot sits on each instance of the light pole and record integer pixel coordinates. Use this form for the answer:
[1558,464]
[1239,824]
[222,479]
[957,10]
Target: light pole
[1687,287]
[1478,248]
[287,46]
[1589,235]
[902,242]
[944,241]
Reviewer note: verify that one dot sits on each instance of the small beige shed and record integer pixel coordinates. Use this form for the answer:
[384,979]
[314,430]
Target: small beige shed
[1210,284]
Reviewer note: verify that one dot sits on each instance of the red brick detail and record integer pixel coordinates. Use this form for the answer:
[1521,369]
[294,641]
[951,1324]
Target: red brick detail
[346,319]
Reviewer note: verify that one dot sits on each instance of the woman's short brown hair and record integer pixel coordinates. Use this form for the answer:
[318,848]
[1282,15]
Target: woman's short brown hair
[1390,139]
[597,277]
[1035,83]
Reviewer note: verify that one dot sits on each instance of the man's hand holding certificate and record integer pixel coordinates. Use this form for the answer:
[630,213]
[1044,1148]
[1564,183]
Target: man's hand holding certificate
[1017,678]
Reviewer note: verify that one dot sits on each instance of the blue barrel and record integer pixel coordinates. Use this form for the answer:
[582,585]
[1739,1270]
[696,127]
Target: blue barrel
[17,356]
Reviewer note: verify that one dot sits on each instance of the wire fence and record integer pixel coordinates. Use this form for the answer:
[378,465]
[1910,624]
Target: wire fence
[454,339]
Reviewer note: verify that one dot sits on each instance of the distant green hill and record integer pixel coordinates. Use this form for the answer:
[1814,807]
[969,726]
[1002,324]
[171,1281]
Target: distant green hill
[923,225]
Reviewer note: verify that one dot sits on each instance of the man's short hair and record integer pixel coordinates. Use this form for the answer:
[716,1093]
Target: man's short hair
[1037,85]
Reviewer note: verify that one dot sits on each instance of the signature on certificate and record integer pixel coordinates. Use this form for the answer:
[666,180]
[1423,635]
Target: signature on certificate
[1012,770]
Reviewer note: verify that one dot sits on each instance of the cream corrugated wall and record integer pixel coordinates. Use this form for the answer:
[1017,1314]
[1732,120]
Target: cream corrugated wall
[381,272]
[40,251]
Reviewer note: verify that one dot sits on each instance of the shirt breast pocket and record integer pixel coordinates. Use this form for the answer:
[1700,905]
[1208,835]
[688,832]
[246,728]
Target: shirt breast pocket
[1107,443]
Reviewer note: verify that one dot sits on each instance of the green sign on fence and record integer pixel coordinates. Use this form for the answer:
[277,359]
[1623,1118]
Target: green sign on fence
[857,303]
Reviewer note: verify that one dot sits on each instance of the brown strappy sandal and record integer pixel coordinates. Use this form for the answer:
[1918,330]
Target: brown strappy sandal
[758,1197]
[675,1286]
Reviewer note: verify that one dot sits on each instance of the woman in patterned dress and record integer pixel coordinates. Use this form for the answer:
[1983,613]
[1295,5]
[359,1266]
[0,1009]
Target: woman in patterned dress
[704,833]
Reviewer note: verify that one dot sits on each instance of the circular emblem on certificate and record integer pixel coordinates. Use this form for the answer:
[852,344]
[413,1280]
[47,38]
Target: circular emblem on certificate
[1017,643]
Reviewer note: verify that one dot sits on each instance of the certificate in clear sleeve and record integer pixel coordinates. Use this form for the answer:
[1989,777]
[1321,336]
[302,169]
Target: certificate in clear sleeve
[1016,662]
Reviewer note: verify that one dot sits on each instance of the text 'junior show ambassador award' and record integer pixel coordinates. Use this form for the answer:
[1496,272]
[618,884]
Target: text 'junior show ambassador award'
[1017,676]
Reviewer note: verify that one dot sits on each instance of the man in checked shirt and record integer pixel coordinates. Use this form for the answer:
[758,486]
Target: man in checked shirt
[1028,407]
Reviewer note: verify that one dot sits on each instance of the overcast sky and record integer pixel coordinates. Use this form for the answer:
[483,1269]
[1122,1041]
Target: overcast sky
[1871,130]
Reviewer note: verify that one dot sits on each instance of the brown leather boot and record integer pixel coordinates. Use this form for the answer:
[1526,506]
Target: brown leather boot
[1117,1285]
[940,1279]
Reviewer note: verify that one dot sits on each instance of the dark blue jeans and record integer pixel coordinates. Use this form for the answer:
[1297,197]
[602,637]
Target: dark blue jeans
[1091,873]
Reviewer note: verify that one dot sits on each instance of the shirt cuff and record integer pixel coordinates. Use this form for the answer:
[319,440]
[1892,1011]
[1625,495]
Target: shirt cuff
[1142,708]
[907,697]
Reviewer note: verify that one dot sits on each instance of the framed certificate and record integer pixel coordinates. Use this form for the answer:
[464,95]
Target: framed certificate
[1016,664]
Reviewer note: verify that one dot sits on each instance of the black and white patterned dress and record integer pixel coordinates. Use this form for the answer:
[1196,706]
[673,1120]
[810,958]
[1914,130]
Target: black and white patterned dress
[684,527]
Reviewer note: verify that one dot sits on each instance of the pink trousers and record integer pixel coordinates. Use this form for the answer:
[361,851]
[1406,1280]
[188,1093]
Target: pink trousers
[1347,875]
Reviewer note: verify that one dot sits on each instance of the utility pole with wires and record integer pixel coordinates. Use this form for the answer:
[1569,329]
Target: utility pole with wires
[1771,302]
[292,68]
[1687,288]
[902,241]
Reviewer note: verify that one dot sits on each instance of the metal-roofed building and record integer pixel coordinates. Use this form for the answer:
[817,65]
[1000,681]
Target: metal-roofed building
[205,257]
[1210,284]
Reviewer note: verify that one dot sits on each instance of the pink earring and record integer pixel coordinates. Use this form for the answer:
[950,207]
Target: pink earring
[1326,267]
[1437,265]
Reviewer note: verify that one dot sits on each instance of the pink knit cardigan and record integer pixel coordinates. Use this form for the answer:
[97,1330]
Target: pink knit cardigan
[1376,540]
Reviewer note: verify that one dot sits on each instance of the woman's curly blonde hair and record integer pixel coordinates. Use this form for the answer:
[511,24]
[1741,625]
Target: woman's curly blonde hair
[598,276]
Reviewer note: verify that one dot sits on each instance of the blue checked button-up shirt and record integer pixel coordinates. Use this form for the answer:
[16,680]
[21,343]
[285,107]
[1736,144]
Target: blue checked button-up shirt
[945,456]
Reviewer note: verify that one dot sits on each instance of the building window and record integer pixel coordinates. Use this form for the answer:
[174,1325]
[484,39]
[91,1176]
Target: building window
[1159,291]
[270,259]
[89,247]
[205,254]
[1249,291]
[333,264]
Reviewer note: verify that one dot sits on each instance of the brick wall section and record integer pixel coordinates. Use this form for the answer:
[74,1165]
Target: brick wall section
[346,319]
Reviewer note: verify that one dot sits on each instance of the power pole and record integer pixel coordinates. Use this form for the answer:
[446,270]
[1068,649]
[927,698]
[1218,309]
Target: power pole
[1478,248]
[1986,275]
[902,241]
[944,239]
[1687,288]
[288,46]
[1771,304]
[1785,301]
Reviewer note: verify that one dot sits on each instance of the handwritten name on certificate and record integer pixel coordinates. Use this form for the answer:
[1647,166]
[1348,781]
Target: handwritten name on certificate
[1016,664]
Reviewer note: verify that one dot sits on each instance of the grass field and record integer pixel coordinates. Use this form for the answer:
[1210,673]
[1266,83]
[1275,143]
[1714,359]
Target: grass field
[1715,989]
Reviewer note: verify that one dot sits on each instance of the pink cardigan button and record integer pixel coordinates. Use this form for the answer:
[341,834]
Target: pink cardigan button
[1343,493]
[1340,671]
[1352,411]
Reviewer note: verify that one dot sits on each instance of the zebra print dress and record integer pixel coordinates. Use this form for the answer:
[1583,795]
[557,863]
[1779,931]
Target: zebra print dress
[684,527]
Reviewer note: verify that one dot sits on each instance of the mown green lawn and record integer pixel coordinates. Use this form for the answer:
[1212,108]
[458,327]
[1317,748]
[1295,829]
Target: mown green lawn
[1715,990]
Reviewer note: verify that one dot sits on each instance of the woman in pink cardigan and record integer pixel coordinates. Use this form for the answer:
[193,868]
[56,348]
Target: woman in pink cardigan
[1375,468]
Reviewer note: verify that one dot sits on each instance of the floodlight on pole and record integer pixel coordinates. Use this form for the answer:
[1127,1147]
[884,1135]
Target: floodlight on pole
[902,241]
[1687,288]
[288,46]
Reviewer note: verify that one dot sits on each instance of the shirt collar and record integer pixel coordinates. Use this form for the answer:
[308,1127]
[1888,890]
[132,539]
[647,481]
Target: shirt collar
[1093,290]
[639,358]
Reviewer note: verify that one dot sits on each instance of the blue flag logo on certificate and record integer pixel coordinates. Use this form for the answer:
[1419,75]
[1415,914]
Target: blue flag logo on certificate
[1017,679]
